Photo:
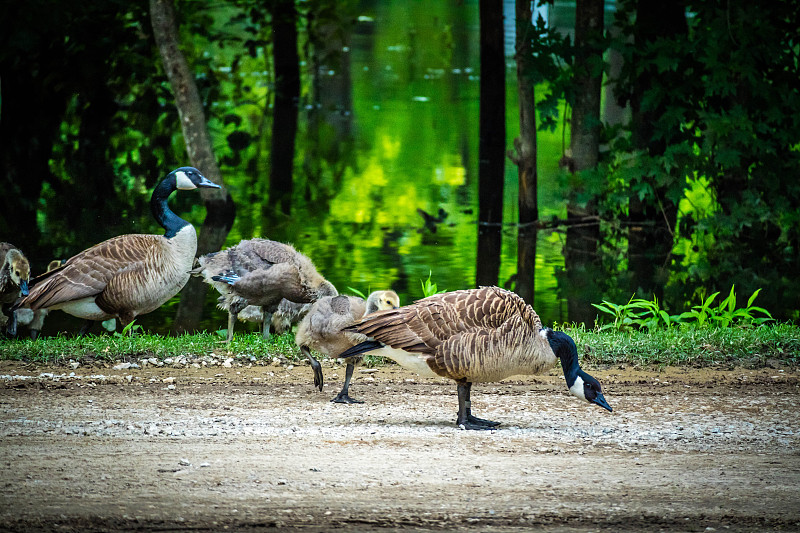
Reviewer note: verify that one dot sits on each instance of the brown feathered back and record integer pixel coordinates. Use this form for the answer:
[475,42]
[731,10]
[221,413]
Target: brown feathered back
[481,334]
[135,271]
[268,271]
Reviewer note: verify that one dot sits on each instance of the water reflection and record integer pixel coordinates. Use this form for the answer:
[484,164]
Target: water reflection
[388,131]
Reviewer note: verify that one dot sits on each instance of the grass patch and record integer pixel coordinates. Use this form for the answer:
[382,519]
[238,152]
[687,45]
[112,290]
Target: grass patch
[691,346]
[687,345]
[61,349]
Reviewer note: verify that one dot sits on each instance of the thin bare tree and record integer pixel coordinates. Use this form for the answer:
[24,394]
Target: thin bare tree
[524,156]
[218,203]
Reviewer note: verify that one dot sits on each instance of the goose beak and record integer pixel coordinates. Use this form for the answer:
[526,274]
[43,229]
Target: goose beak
[23,287]
[601,401]
[207,183]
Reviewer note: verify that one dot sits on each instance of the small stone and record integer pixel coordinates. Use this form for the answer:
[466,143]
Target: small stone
[169,380]
[368,370]
[281,482]
[184,462]
[74,365]
[122,366]
[170,387]
[205,465]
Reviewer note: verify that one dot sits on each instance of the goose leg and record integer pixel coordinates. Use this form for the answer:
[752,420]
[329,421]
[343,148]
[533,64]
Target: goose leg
[465,419]
[265,325]
[11,325]
[87,325]
[343,396]
[231,323]
[318,381]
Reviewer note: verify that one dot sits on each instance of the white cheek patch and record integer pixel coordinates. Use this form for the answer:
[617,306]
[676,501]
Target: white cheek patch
[577,388]
[543,333]
[183,182]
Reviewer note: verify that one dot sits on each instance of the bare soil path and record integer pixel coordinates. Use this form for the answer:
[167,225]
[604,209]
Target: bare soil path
[256,449]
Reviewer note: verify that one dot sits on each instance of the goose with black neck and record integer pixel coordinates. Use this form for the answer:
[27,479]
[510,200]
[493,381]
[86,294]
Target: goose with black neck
[473,336]
[128,275]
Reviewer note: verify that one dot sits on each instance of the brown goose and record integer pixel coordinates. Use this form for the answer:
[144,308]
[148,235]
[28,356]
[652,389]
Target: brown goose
[128,275]
[15,272]
[473,336]
[322,330]
[261,272]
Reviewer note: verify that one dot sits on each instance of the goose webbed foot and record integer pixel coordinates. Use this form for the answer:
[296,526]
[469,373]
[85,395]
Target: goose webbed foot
[343,397]
[475,426]
[482,421]
[315,366]
[465,420]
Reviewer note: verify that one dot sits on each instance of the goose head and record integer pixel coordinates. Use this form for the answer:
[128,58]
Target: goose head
[381,300]
[580,384]
[188,178]
[19,270]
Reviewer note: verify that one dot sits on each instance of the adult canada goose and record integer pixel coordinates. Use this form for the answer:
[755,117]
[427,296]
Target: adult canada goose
[128,275]
[322,329]
[261,272]
[473,336]
[15,272]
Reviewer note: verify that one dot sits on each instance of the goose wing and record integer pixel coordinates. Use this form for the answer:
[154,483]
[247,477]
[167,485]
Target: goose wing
[90,272]
[455,330]
[271,252]
[424,325]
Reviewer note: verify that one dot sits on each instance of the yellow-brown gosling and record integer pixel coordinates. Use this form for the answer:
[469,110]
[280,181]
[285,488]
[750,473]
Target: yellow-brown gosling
[34,320]
[128,275]
[473,336]
[262,272]
[15,272]
[322,330]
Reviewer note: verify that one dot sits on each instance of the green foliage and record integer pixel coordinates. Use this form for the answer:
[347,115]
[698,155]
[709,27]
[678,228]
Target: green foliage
[722,108]
[130,330]
[429,288]
[647,314]
[358,292]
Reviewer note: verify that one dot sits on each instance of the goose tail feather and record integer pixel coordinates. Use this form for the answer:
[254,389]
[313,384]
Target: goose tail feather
[358,349]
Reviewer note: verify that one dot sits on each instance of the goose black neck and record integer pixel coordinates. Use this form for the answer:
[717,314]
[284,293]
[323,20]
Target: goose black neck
[569,363]
[171,222]
[564,348]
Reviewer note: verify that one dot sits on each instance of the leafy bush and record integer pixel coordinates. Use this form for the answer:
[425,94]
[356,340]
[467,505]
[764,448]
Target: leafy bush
[648,314]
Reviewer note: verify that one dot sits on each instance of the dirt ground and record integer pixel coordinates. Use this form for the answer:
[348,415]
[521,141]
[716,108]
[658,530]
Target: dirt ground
[214,449]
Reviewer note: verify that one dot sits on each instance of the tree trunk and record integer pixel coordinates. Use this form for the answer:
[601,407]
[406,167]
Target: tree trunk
[287,96]
[219,205]
[653,218]
[582,241]
[329,142]
[491,144]
[525,157]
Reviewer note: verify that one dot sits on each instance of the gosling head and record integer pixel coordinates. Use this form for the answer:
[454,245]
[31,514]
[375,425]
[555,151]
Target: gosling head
[580,384]
[381,300]
[19,270]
